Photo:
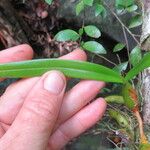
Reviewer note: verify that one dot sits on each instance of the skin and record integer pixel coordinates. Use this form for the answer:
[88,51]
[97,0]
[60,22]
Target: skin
[37,113]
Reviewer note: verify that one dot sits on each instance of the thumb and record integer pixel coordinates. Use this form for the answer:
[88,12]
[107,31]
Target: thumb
[36,119]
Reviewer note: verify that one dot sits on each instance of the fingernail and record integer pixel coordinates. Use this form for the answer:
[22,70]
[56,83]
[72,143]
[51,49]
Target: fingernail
[54,83]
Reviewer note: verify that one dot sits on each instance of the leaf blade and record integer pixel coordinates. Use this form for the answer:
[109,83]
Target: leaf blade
[94,47]
[118,47]
[121,67]
[135,21]
[67,35]
[79,7]
[135,55]
[49,2]
[100,9]
[132,8]
[144,63]
[92,31]
[126,93]
[75,69]
[88,2]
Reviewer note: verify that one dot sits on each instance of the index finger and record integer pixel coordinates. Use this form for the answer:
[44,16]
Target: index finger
[17,53]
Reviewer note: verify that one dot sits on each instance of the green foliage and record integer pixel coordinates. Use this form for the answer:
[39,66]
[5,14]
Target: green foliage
[82,4]
[135,56]
[86,70]
[75,69]
[132,8]
[67,35]
[121,67]
[98,72]
[70,68]
[135,21]
[100,10]
[118,47]
[92,31]
[114,99]
[124,3]
[144,63]
[88,2]
[120,118]
[81,31]
[128,101]
[79,7]
[145,146]
[49,1]
[94,47]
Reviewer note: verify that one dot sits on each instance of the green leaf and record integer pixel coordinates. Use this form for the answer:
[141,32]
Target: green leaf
[135,21]
[124,3]
[144,146]
[79,7]
[81,31]
[92,31]
[70,68]
[49,1]
[99,9]
[67,35]
[94,47]
[126,91]
[135,56]
[132,8]
[118,47]
[120,9]
[114,99]
[121,67]
[82,43]
[88,2]
[120,118]
[144,63]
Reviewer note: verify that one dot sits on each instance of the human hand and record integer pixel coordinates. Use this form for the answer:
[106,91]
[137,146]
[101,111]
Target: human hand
[37,114]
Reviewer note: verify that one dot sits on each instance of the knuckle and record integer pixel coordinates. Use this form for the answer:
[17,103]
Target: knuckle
[82,124]
[42,107]
[66,137]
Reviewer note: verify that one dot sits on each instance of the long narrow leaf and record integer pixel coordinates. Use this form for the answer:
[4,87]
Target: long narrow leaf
[144,63]
[75,69]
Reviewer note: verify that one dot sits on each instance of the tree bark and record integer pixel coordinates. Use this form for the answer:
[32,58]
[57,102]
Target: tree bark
[10,31]
[145,44]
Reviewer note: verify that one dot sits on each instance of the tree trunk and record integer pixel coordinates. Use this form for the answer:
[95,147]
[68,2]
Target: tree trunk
[145,44]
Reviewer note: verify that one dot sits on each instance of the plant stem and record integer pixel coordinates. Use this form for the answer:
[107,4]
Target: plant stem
[143,138]
[106,59]
[127,45]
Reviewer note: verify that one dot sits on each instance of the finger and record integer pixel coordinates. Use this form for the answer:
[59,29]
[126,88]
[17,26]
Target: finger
[76,125]
[2,131]
[77,54]
[79,96]
[4,126]
[11,101]
[17,53]
[37,117]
